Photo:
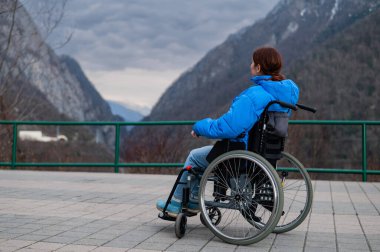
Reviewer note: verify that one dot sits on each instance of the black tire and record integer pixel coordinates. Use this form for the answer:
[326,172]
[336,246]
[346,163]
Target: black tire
[298,194]
[180,225]
[241,174]
[202,220]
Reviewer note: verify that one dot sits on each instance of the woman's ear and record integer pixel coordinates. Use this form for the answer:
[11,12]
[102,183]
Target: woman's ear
[258,68]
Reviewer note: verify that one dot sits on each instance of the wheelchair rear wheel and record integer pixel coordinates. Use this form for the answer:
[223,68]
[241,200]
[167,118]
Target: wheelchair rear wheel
[246,189]
[298,193]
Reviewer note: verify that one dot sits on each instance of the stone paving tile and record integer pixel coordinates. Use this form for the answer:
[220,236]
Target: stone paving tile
[46,231]
[166,237]
[353,246]
[85,229]
[10,224]
[32,237]
[63,211]
[247,249]
[61,239]
[18,230]
[316,249]
[287,249]
[76,248]
[5,235]
[375,246]
[142,250]
[75,234]
[153,246]
[219,249]
[12,245]
[57,227]
[103,236]
[316,237]
[184,248]
[285,242]
[108,249]
[34,226]
[119,243]
[45,246]
[50,221]
[31,250]
[216,242]
[321,245]
[89,241]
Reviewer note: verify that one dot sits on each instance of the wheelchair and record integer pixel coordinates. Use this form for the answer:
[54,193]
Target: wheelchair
[244,195]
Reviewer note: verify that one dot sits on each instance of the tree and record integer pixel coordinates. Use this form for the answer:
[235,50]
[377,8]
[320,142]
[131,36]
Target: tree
[18,40]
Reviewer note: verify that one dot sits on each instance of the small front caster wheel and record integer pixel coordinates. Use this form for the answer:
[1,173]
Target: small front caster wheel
[214,214]
[180,225]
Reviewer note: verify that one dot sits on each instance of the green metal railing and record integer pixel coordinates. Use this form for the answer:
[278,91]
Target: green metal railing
[116,164]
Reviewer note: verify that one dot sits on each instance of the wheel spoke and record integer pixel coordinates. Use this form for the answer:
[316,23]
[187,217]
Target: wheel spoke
[297,196]
[234,183]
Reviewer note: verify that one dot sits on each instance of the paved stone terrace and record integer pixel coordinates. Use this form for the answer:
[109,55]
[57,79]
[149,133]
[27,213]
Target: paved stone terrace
[62,211]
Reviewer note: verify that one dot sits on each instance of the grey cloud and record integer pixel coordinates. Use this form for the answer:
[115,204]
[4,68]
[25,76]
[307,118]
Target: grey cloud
[152,34]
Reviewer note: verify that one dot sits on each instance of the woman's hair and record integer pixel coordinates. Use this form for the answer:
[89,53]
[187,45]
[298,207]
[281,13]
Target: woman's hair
[270,62]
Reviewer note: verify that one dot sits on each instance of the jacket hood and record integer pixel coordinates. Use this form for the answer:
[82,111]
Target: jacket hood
[285,90]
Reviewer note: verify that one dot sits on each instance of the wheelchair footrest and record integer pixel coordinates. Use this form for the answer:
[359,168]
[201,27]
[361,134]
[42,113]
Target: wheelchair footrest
[165,216]
[189,214]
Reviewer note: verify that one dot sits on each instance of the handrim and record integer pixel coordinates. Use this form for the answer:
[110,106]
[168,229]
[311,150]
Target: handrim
[265,166]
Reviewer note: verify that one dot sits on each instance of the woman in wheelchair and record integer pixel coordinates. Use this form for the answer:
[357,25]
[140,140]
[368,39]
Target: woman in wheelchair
[268,85]
[235,183]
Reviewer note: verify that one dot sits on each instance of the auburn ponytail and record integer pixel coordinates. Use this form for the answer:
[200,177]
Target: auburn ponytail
[277,77]
[270,62]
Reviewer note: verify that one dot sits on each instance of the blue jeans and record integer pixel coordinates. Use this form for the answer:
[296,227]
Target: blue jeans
[196,158]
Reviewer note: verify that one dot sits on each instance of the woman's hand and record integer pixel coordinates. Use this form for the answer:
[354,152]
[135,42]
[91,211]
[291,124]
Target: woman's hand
[193,134]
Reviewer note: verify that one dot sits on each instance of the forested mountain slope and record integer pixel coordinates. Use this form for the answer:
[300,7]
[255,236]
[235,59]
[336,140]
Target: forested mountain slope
[330,48]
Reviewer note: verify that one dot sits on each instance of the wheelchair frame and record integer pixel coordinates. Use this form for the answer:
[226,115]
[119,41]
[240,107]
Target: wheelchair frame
[259,146]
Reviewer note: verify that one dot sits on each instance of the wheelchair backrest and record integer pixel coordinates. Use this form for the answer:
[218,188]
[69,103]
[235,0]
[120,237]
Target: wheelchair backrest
[267,136]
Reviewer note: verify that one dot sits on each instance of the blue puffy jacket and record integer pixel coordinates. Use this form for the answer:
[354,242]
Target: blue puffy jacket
[247,108]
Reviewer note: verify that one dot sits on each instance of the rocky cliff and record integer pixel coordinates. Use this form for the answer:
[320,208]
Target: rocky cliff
[36,84]
[27,59]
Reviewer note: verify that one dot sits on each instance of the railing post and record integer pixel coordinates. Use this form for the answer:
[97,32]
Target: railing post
[117,148]
[14,147]
[364,152]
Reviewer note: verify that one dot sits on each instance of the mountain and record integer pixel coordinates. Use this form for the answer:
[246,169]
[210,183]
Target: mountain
[126,113]
[96,107]
[142,109]
[341,75]
[294,27]
[330,48]
[28,61]
[37,84]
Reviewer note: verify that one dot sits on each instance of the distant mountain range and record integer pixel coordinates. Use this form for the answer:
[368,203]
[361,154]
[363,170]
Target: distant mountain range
[128,114]
[330,49]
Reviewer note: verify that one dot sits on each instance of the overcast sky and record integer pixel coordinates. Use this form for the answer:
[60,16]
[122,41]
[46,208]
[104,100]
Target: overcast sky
[132,50]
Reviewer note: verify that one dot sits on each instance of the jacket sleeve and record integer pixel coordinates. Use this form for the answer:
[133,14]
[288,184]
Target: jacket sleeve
[240,117]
